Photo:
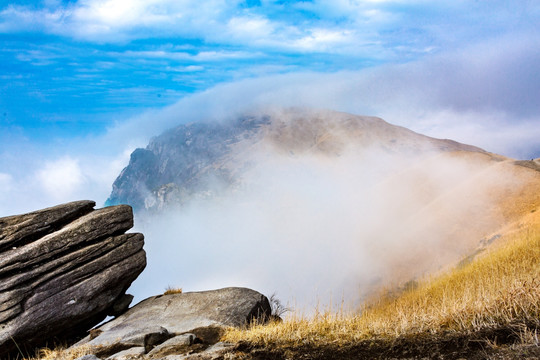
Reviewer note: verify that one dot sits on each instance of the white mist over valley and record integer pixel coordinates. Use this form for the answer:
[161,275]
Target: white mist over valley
[331,208]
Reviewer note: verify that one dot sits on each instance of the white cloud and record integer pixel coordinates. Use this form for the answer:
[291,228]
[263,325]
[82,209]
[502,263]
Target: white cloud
[354,27]
[494,131]
[109,20]
[186,69]
[200,56]
[323,39]
[255,27]
[39,176]
[61,178]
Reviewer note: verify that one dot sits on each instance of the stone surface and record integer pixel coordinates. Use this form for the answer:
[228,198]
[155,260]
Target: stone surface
[184,322]
[63,270]
[218,351]
[146,337]
[121,305]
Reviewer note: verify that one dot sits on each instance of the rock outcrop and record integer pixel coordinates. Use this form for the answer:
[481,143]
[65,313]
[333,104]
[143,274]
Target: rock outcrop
[177,323]
[63,270]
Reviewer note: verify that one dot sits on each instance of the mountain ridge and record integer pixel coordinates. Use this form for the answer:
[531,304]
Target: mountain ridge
[200,159]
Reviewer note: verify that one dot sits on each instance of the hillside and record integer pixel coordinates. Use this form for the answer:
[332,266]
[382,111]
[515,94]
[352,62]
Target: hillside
[485,308]
[376,204]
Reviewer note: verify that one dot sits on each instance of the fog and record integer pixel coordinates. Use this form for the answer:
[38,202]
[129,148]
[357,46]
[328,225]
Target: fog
[314,228]
[321,227]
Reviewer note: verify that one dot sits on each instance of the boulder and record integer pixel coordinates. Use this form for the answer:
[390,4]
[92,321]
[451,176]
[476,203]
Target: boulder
[201,316]
[63,270]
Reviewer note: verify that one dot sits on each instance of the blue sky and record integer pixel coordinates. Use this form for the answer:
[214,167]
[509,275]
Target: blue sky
[82,83]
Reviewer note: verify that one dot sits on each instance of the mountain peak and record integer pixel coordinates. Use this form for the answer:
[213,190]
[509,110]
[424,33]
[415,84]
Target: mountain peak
[203,159]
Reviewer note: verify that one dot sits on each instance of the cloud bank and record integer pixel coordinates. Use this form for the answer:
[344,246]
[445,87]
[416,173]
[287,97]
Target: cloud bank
[320,229]
[477,95]
[482,95]
[85,62]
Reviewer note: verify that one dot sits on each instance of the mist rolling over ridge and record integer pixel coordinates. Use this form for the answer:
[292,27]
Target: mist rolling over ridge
[477,95]
[315,205]
[378,156]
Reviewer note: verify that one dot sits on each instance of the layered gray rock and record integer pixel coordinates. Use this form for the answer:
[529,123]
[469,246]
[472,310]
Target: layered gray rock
[63,270]
[192,321]
[18,229]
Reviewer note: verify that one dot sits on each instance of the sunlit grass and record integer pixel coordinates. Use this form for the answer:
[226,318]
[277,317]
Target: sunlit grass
[172,290]
[63,354]
[500,289]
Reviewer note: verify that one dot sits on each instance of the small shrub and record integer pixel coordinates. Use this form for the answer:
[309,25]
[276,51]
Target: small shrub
[171,290]
[278,309]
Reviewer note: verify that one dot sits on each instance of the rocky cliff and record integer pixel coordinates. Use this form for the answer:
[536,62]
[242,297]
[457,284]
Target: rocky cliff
[63,270]
[183,162]
[203,159]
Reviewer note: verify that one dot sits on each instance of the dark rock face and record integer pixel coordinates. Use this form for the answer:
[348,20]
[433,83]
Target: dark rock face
[201,160]
[183,162]
[193,318]
[63,270]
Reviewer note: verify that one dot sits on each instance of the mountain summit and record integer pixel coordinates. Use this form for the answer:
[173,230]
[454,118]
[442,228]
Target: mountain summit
[203,159]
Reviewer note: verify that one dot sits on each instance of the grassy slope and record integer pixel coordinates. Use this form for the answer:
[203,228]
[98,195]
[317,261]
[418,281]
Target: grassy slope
[500,289]
[496,298]
[465,312]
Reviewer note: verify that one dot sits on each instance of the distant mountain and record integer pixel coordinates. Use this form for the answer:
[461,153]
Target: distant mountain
[204,159]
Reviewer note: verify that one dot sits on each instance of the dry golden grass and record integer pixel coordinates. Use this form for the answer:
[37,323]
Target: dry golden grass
[500,289]
[171,290]
[63,354]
